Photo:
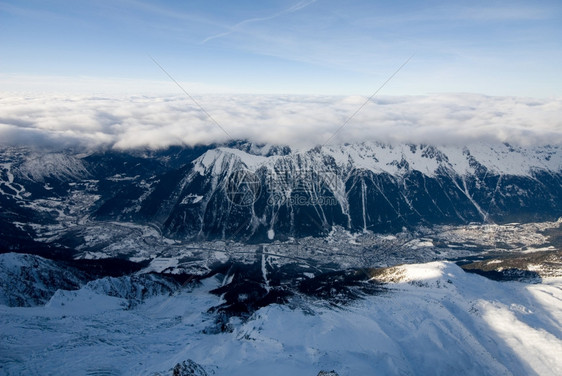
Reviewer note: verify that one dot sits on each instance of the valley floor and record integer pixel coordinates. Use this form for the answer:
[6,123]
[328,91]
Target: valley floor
[434,319]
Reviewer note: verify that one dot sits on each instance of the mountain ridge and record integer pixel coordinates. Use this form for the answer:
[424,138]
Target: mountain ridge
[255,192]
[472,183]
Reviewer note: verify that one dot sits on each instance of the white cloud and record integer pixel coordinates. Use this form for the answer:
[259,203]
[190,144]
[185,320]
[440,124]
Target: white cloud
[135,122]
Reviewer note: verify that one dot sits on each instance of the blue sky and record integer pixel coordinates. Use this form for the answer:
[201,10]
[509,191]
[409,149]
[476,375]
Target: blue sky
[273,46]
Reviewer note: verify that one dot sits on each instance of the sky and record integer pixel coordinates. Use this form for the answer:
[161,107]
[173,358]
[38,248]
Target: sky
[318,47]
[133,73]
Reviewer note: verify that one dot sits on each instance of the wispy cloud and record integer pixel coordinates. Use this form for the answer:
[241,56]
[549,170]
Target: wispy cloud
[237,27]
[146,122]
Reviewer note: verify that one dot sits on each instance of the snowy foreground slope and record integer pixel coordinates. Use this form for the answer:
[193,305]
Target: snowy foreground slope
[433,319]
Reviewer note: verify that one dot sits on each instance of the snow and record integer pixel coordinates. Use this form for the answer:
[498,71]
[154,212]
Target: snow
[7,167]
[539,249]
[251,161]
[159,264]
[27,280]
[215,161]
[17,188]
[56,165]
[435,319]
[270,234]
[430,271]
[191,199]
[264,272]
[419,243]
[387,237]
[539,349]
[502,159]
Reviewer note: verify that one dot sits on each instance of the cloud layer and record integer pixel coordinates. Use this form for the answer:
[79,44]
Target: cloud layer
[299,121]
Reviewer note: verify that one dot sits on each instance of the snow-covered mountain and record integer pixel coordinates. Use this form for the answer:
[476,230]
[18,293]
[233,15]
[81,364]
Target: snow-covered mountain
[362,187]
[250,192]
[29,280]
[199,261]
[431,319]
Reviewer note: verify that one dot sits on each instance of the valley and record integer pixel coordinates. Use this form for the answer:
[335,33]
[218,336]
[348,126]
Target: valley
[249,259]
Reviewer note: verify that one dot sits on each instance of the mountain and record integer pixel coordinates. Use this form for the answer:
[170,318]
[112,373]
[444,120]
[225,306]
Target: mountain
[258,259]
[29,280]
[374,187]
[433,318]
[262,192]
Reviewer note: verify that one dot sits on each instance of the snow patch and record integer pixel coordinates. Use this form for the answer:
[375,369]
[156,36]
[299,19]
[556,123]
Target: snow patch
[270,234]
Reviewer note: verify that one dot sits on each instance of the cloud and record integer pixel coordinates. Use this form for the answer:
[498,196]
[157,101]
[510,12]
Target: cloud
[299,121]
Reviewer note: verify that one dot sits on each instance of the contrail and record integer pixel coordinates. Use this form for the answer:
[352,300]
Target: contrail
[294,8]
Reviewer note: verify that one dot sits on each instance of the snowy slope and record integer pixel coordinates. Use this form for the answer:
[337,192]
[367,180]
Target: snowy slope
[435,319]
[29,280]
[498,158]
[53,165]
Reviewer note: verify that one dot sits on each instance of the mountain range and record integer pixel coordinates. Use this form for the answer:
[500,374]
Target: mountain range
[259,259]
[250,192]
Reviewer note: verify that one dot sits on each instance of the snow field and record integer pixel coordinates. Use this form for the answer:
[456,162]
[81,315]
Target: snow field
[436,320]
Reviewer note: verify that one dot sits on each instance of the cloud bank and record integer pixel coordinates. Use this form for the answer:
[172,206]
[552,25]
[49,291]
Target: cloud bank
[298,121]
